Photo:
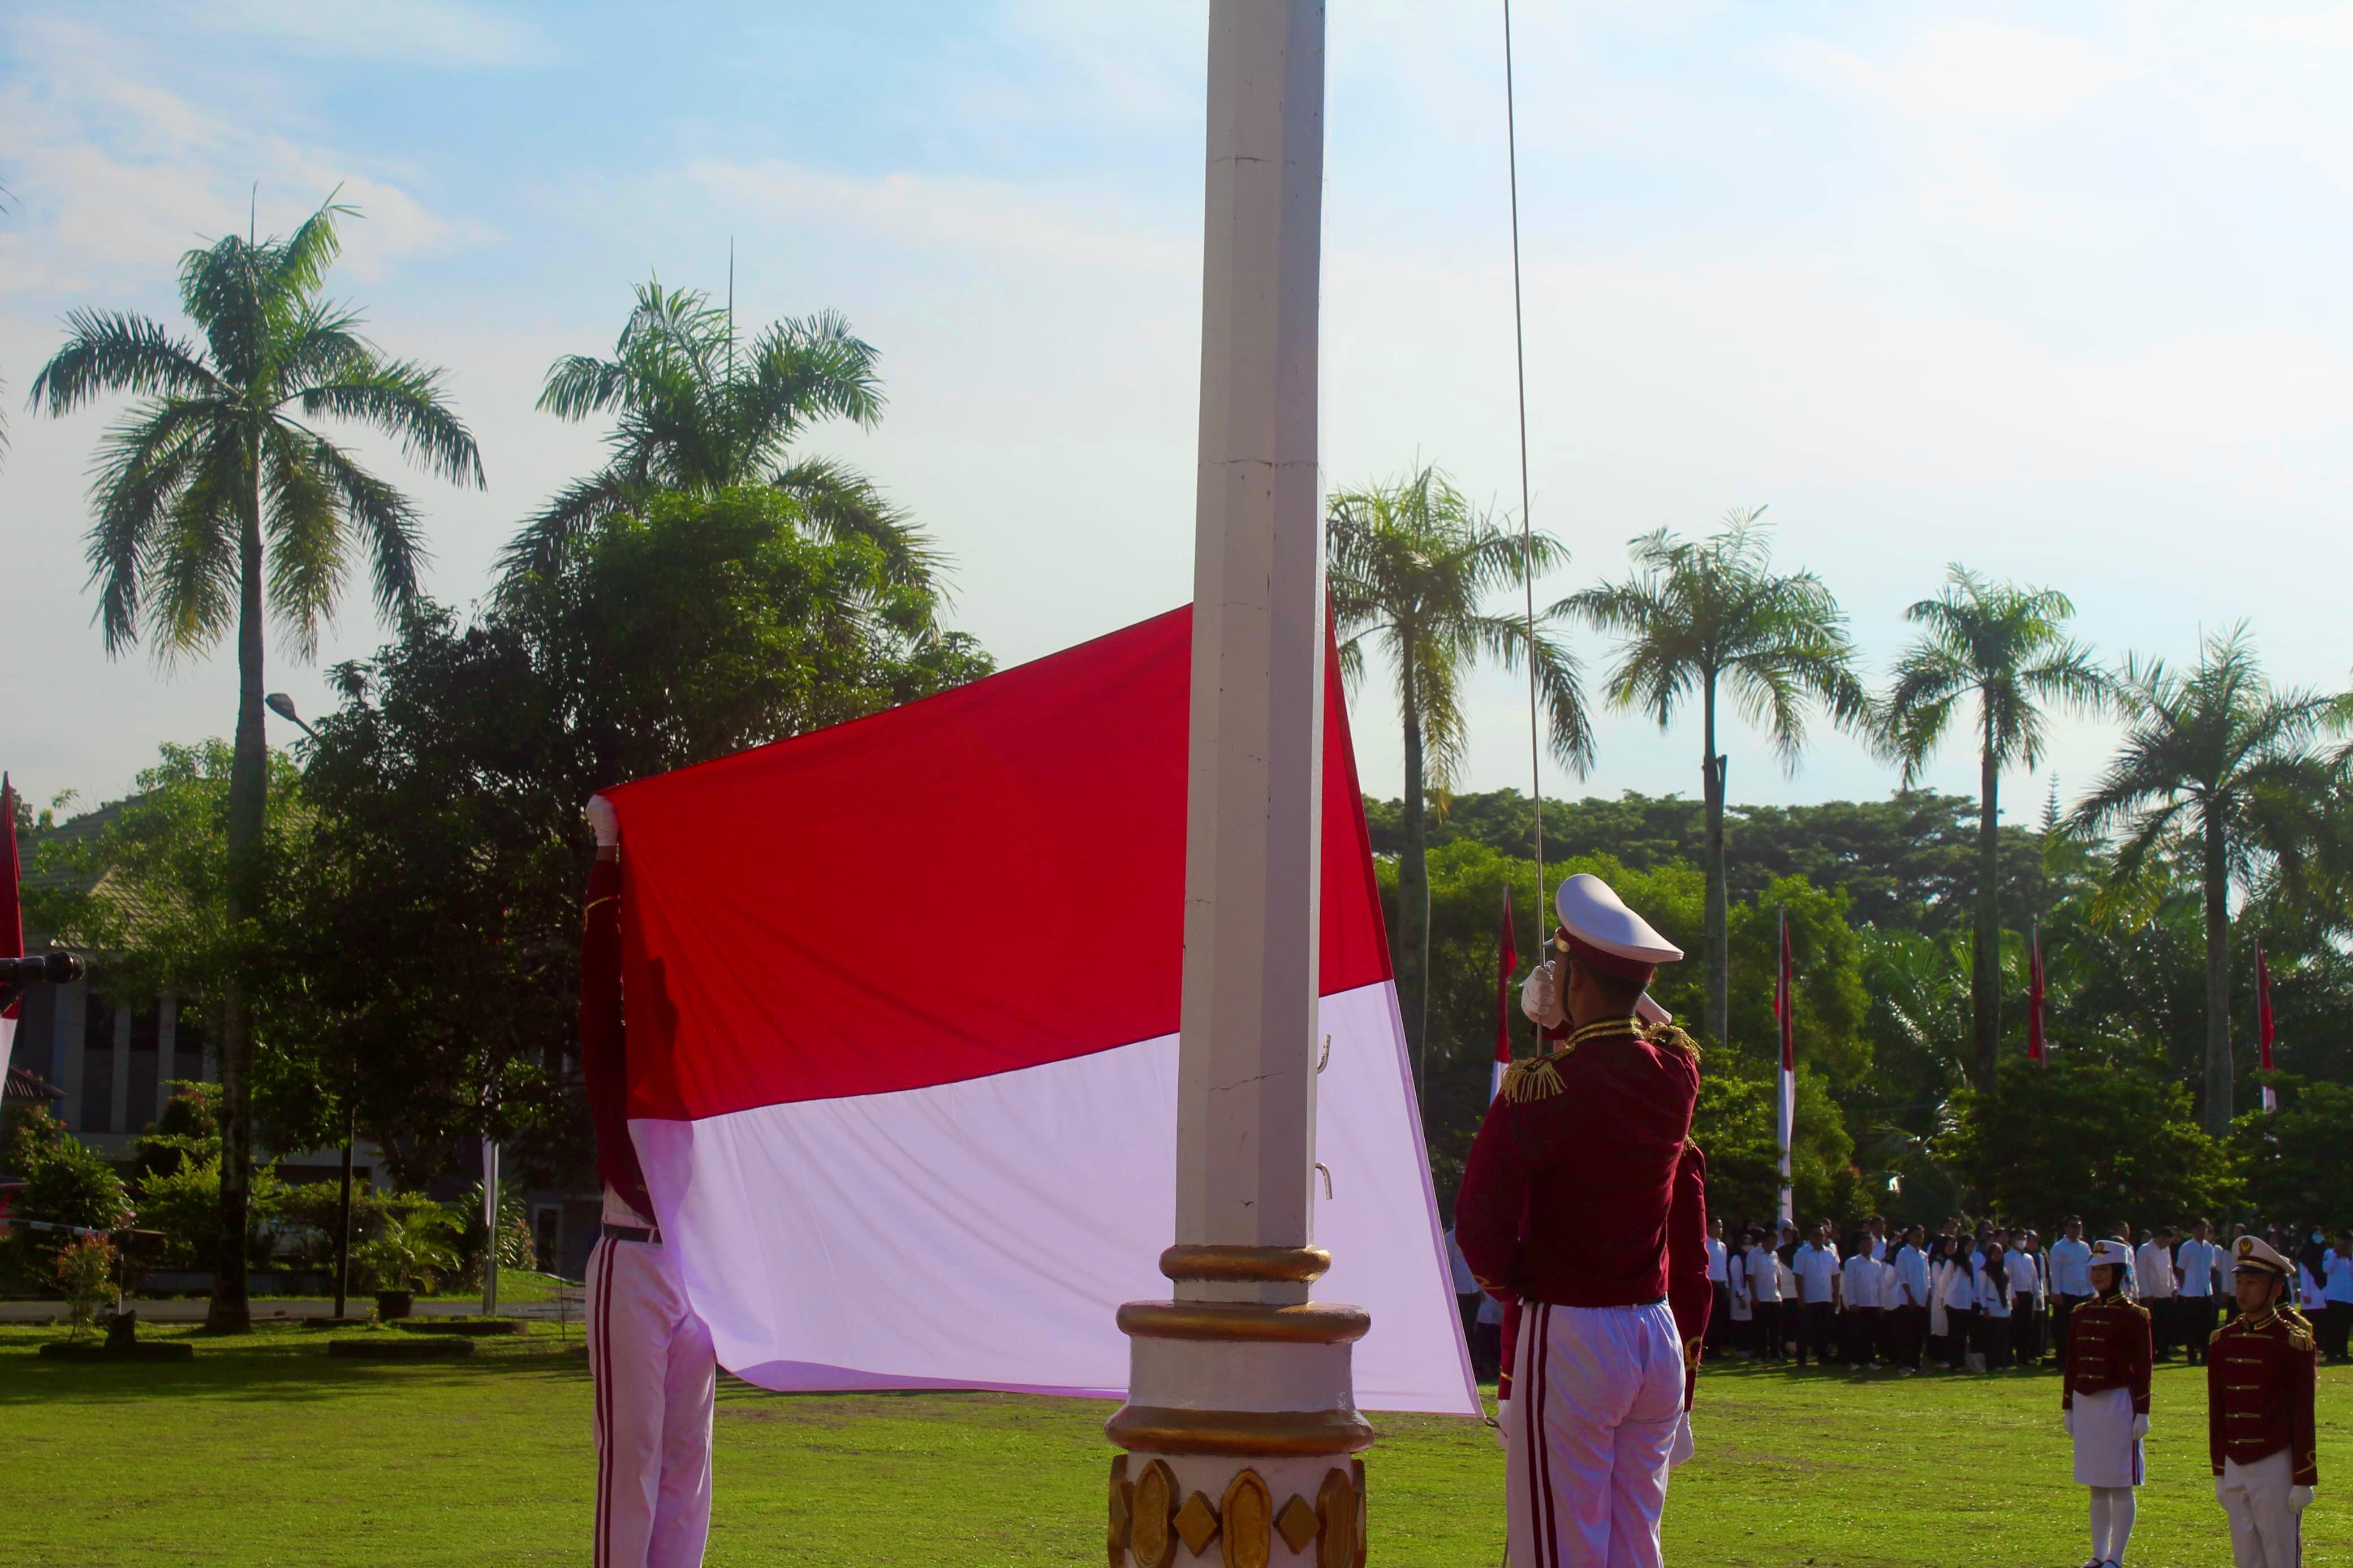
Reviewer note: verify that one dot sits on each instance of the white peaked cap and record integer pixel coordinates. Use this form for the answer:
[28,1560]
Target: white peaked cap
[1591,911]
[1650,1012]
[2115,1252]
[2255,1252]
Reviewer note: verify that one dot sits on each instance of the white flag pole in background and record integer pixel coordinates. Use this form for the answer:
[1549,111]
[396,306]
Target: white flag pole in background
[1784,1004]
[489,1229]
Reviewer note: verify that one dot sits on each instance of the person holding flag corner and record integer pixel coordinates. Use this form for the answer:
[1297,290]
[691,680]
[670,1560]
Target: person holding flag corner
[1613,1296]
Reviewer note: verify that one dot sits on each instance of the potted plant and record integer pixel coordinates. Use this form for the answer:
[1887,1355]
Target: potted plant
[410,1253]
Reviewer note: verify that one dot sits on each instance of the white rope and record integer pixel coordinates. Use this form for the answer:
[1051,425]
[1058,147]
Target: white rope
[1527,525]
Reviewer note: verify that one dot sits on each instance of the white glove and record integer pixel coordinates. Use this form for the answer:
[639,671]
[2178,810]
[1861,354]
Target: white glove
[1681,1449]
[2140,1427]
[604,819]
[2218,1492]
[1503,1425]
[2067,1419]
[2299,1497]
[1540,996]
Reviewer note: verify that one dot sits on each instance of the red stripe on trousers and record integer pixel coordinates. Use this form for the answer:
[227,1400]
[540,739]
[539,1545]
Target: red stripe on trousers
[602,1365]
[1550,1512]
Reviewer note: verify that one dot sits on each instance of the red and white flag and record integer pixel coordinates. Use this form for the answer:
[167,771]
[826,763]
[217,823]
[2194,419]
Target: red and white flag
[2264,1032]
[12,917]
[902,1000]
[1507,959]
[1784,1012]
[2036,1048]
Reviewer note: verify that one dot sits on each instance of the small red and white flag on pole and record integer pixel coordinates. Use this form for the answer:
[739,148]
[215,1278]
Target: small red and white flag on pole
[2264,1032]
[1507,959]
[12,917]
[2036,1048]
[1785,1011]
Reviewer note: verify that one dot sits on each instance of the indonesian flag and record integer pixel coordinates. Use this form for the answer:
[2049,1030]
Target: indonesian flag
[12,918]
[1784,1012]
[2035,1048]
[2264,1031]
[903,1002]
[1507,959]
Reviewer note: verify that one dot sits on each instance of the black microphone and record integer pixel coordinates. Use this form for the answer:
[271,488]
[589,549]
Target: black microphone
[41,968]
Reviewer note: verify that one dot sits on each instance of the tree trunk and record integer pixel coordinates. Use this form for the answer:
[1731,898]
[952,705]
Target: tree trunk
[1719,955]
[1413,887]
[1985,966]
[2219,1079]
[249,787]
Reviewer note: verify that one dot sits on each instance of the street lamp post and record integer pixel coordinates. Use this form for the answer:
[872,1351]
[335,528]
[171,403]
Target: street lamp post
[277,702]
[1240,1422]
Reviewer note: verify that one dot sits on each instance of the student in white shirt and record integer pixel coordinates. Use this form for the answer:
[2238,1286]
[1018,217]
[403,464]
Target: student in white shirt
[1764,1297]
[1957,1294]
[2070,1279]
[2337,1292]
[1860,1291]
[2194,1267]
[1993,1306]
[1908,1308]
[1719,1284]
[1816,1266]
[2153,1266]
[2025,1276]
[1744,1314]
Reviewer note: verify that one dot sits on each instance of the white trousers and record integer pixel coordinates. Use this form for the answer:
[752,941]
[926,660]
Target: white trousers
[1597,1401]
[651,1359]
[2266,1530]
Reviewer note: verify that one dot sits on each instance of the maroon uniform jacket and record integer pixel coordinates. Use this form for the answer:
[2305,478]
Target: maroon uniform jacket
[2108,1347]
[2261,1370]
[1583,1188]
[604,1038]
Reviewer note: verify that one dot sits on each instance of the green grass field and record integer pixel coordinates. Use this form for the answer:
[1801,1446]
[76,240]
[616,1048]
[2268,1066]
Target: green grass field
[264,1450]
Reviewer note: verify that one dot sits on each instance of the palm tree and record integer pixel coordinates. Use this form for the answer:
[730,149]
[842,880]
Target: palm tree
[2221,769]
[218,502]
[1701,614]
[2007,646]
[697,415]
[1410,565]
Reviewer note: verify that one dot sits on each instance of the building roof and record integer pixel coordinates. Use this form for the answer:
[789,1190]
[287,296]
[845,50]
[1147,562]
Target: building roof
[25,1088]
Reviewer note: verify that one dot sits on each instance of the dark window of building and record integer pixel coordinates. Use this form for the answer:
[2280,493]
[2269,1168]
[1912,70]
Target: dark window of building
[98,1090]
[189,1042]
[146,1069]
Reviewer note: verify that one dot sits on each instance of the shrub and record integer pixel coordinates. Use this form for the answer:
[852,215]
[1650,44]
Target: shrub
[412,1251]
[185,1205]
[85,1272]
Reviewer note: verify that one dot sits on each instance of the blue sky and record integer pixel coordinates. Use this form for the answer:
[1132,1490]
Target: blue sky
[2057,292]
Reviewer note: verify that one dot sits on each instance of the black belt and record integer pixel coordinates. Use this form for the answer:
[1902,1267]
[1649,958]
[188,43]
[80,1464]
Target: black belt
[631,1232]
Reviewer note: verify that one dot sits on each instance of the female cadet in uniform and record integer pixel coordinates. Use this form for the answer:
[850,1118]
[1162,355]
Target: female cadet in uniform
[2104,1401]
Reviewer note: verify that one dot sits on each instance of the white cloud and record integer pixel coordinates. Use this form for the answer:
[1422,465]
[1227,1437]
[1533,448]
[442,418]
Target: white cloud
[427,32]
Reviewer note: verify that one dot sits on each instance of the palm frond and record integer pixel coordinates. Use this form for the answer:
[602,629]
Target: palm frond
[109,352]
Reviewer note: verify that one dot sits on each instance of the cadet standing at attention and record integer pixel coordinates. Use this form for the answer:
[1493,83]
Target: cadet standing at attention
[2104,1401]
[2261,1370]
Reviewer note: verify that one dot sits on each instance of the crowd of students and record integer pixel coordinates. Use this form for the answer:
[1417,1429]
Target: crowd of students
[1987,1299]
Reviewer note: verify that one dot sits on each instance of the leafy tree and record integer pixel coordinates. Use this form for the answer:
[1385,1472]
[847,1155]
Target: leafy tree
[436,920]
[694,416]
[2080,1136]
[2006,648]
[2222,775]
[218,502]
[1412,565]
[2299,1160]
[1702,617]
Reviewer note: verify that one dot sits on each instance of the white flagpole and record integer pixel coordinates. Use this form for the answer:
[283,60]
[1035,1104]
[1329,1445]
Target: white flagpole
[489,1228]
[1783,1016]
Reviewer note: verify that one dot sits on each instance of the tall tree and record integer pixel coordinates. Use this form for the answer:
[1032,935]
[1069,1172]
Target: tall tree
[1412,562]
[2225,772]
[2005,647]
[698,410]
[218,503]
[1700,617]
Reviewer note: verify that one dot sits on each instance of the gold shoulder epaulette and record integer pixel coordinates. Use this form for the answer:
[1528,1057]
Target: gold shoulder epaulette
[1536,1079]
[2136,1307]
[1670,1037]
[2299,1329]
